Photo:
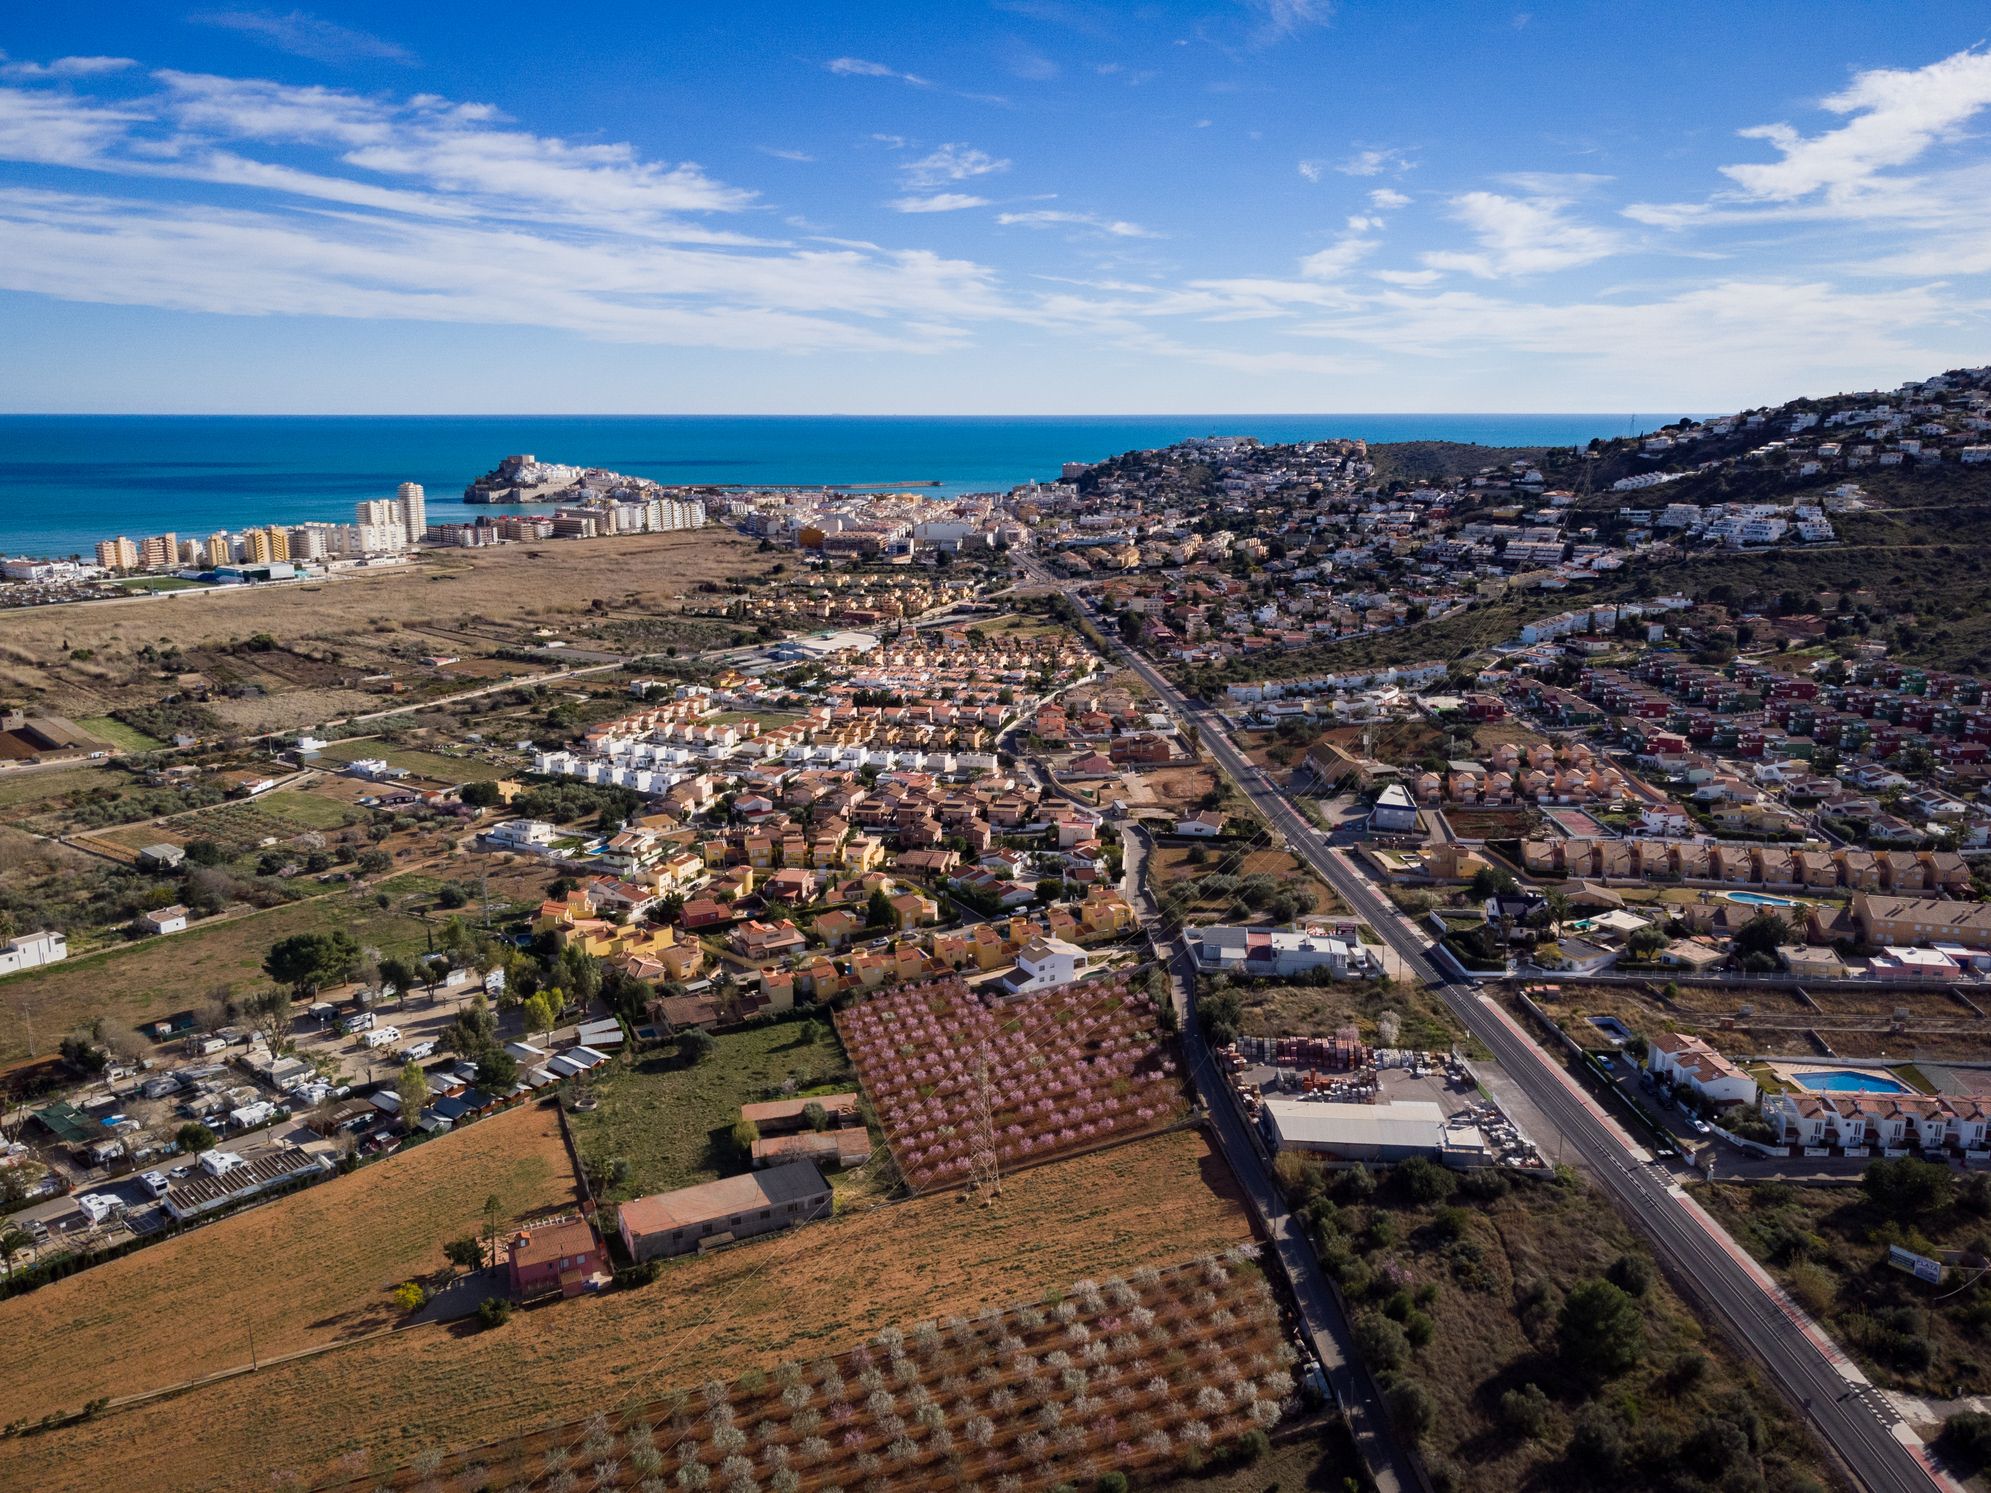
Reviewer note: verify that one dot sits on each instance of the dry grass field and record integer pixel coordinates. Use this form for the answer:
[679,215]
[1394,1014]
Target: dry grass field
[307,1269]
[804,1294]
[130,983]
[82,659]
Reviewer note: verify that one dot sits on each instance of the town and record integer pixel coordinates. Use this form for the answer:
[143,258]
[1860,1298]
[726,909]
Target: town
[1110,981]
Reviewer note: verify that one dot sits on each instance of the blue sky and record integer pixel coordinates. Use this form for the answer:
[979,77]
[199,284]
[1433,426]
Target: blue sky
[1031,206]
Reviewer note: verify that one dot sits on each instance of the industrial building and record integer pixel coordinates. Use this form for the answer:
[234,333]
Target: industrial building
[1378,1133]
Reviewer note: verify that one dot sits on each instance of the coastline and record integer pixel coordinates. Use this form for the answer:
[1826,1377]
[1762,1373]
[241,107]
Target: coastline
[68,481]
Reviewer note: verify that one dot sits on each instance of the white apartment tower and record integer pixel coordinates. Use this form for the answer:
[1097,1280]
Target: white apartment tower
[413,507]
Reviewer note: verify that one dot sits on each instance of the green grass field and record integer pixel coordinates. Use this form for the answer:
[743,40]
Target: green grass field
[117,733]
[157,583]
[670,1123]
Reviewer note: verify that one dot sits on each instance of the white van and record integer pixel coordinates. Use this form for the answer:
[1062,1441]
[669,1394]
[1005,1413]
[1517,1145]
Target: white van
[359,1021]
[415,1051]
[382,1036]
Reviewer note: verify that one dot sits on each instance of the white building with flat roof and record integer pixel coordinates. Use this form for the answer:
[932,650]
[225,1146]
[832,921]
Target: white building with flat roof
[1373,1132]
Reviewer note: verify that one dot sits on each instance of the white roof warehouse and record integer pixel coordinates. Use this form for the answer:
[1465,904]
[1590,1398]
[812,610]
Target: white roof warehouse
[1373,1132]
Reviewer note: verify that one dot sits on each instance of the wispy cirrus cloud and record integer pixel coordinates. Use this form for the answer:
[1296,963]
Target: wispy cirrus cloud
[303,34]
[938,202]
[1375,161]
[1061,218]
[1521,236]
[951,163]
[64,67]
[860,67]
[369,207]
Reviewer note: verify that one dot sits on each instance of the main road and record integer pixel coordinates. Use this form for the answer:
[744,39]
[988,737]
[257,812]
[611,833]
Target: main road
[1853,1419]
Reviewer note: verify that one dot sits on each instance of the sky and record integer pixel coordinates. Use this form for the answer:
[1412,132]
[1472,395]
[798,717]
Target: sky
[1016,207]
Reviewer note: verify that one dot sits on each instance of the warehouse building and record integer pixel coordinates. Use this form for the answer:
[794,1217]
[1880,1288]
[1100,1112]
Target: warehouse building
[1376,1133]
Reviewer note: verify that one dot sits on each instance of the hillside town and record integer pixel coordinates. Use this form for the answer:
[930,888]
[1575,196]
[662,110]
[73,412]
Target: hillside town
[1265,812]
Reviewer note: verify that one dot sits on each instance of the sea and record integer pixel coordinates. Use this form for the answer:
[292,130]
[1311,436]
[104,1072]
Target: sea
[67,481]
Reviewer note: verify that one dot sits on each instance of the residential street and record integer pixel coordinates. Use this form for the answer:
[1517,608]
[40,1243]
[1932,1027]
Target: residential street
[1852,1417]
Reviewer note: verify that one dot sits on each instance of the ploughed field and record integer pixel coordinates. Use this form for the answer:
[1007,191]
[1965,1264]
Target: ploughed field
[1138,1375]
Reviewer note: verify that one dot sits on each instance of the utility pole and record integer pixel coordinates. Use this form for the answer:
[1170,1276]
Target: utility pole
[253,1364]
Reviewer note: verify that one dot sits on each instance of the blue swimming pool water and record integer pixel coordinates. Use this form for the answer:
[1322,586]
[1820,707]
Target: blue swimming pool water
[1759,899]
[1846,1081]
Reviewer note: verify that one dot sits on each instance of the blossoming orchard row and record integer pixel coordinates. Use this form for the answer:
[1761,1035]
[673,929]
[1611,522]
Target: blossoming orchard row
[1061,1069]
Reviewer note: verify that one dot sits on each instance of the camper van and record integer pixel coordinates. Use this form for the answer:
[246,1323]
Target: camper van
[381,1036]
[359,1021]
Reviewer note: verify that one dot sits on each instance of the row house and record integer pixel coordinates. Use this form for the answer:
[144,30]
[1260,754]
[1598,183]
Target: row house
[1891,1122]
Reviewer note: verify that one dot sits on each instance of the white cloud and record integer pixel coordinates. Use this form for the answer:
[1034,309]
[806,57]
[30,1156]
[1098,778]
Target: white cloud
[951,163]
[1894,116]
[426,209]
[302,34]
[1384,199]
[1409,277]
[1310,170]
[65,67]
[1338,258]
[1055,218]
[1374,162]
[939,202]
[858,67]
[1279,19]
[1521,236]
[132,252]
[780,154]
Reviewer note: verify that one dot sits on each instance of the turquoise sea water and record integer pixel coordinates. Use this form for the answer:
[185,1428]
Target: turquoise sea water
[68,481]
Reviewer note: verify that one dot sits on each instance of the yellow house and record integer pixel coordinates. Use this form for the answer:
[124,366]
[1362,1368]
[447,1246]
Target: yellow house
[1104,913]
[863,853]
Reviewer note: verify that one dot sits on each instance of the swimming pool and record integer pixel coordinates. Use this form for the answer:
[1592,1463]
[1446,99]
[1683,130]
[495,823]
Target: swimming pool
[1849,1081]
[1759,899]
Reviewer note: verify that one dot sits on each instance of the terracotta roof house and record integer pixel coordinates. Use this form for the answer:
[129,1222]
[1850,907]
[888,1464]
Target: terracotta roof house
[722,1212]
[563,1257]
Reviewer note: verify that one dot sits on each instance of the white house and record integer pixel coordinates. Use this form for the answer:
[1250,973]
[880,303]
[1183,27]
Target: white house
[1045,962]
[164,920]
[1206,825]
[1691,1061]
[1395,812]
[523,834]
[32,950]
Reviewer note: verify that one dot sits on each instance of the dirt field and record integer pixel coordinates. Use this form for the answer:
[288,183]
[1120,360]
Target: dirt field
[1770,1020]
[308,1269]
[804,1294]
[1172,863]
[349,626]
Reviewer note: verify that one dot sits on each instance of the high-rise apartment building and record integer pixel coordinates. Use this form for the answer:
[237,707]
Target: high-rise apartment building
[117,554]
[413,509]
[161,552]
[219,549]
